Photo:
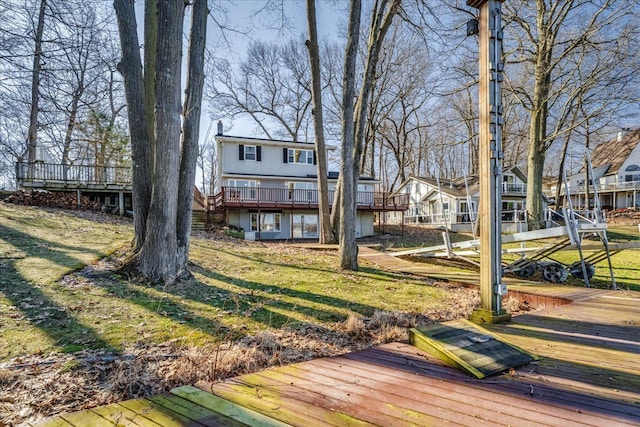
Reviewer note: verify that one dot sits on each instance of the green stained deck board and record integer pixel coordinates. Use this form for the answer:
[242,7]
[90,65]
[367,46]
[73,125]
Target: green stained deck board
[469,347]
[87,419]
[52,422]
[291,409]
[226,407]
[310,403]
[157,413]
[118,415]
[193,411]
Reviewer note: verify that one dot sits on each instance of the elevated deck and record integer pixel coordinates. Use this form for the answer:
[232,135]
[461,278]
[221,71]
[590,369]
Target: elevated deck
[230,198]
[59,177]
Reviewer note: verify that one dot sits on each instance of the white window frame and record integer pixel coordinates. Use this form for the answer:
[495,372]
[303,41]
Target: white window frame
[250,152]
[241,183]
[267,219]
[291,156]
[301,219]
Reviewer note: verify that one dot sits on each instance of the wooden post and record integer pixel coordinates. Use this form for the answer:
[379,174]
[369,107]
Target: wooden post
[490,129]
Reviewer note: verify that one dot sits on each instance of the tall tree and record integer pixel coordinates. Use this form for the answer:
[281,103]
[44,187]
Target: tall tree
[325,235]
[552,40]
[191,126]
[35,85]
[131,69]
[169,165]
[354,118]
[345,193]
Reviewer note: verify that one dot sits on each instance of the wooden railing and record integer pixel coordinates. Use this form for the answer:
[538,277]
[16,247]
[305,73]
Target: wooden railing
[199,201]
[234,197]
[79,174]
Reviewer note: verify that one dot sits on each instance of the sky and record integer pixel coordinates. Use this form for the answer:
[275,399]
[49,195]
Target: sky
[253,20]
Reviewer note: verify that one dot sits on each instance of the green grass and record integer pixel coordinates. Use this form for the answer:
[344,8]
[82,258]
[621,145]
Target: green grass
[626,264]
[48,302]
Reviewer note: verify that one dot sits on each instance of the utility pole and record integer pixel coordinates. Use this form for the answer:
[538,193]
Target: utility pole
[490,210]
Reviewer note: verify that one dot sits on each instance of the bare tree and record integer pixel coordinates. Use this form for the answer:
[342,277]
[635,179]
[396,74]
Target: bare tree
[318,122]
[271,86]
[345,194]
[354,118]
[35,85]
[191,126]
[552,40]
[163,249]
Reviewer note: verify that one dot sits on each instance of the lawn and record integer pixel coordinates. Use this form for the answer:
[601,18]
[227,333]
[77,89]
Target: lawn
[49,301]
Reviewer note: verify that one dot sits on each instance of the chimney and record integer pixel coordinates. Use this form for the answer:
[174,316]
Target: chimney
[620,136]
[220,128]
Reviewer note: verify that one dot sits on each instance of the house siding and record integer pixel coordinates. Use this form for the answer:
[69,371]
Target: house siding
[273,171]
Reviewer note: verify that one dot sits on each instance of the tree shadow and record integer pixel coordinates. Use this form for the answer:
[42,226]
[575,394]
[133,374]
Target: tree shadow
[270,262]
[36,305]
[363,309]
[38,247]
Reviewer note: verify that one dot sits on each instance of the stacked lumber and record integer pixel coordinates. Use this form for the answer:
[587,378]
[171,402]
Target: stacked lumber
[58,199]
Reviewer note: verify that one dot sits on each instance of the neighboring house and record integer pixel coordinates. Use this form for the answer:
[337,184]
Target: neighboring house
[616,174]
[454,203]
[268,189]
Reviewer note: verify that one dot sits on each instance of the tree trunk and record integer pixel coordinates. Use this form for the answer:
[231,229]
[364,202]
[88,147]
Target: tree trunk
[32,137]
[191,127]
[318,124]
[348,251]
[150,50]
[535,164]
[158,260]
[131,69]
[537,143]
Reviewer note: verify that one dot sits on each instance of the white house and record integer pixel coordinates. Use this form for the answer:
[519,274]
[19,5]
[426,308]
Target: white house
[268,189]
[454,203]
[616,174]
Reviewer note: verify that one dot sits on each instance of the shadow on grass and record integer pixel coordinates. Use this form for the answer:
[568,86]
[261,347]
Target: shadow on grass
[51,250]
[340,303]
[270,262]
[35,304]
[158,300]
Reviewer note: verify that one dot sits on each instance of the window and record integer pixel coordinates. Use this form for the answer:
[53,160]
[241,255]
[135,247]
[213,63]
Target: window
[242,189]
[305,226]
[268,222]
[302,191]
[249,152]
[242,183]
[632,173]
[301,156]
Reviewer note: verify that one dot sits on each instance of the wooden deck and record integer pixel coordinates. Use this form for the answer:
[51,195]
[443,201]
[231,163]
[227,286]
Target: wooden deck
[588,375]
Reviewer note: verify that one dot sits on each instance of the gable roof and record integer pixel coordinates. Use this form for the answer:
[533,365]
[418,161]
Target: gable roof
[452,187]
[456,187]
[613,153]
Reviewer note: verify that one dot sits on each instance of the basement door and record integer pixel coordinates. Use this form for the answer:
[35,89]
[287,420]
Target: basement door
[305,226]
